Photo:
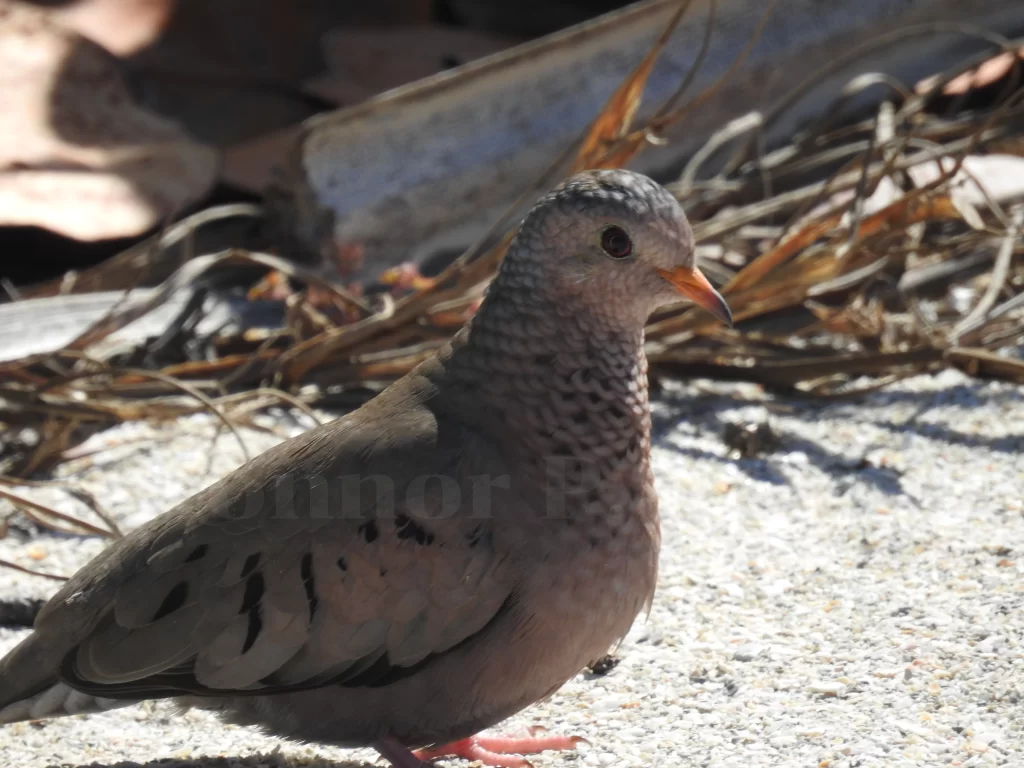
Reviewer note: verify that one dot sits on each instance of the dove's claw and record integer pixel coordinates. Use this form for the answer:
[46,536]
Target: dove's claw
[501,751]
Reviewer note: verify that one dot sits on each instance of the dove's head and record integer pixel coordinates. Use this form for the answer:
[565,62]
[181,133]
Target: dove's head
[614,240]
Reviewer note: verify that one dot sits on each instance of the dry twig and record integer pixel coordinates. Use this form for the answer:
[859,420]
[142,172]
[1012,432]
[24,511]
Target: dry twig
[844,273]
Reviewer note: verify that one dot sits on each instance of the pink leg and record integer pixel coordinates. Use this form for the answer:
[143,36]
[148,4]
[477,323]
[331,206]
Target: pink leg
[501,751]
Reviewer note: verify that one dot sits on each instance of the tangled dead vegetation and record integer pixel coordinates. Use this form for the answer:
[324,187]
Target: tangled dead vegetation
[868,249]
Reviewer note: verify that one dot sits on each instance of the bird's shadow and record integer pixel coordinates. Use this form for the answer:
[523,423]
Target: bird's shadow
[961,396]
[265,760]
[707,413]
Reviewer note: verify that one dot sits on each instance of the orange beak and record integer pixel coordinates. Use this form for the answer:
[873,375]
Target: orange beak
[693,285]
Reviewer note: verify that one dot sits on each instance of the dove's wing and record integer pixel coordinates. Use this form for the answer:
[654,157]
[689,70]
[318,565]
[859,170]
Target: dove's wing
[342,557]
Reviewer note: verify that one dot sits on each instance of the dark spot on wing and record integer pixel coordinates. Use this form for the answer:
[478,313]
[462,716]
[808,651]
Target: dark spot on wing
[250,564]
[369,531]
[408,528]
[343,563]
[251,604]
[309,584]
[173,600]
[253,593]
[255,625]
[197,554]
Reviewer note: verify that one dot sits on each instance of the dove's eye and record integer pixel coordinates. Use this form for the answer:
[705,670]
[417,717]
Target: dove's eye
[616,243]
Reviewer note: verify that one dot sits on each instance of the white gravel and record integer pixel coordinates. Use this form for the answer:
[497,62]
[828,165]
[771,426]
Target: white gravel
[854,599]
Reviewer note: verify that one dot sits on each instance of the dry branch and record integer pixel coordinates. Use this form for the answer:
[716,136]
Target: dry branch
[844,271]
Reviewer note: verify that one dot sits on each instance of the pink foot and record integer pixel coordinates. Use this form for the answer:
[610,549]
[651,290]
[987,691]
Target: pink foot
[501,751]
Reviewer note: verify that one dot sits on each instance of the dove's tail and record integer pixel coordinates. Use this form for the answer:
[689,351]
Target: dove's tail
[57,700]
[30,691]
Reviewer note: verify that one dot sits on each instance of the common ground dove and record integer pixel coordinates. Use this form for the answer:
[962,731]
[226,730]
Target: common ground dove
[430,564]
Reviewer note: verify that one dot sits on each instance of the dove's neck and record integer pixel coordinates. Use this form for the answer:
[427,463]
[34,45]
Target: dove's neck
[557,377]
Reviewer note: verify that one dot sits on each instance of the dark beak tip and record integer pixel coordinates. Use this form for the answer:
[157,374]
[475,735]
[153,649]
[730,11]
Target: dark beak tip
[717,306]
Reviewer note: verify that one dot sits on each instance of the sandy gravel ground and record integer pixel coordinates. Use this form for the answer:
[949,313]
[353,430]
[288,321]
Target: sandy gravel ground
[853,599]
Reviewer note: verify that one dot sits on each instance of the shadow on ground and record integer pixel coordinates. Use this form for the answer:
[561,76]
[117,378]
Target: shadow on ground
[273,760]
[709,413]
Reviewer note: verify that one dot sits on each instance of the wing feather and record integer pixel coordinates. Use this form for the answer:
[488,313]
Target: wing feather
[263,589]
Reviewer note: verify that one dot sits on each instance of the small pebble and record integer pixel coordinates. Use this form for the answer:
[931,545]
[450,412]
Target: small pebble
[826,688]
[748,652]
